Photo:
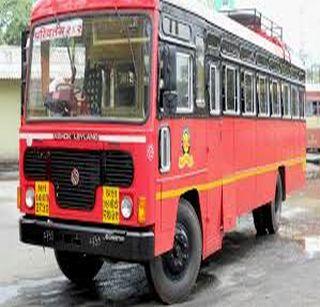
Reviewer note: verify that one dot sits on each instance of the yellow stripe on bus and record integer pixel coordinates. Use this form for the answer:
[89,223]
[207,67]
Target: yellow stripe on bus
[238,176]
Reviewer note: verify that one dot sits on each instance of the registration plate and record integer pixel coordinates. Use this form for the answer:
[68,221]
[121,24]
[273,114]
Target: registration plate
[42,198]
[111,205]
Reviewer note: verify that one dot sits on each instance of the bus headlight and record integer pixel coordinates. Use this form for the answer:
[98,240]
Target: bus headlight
[127,207]
[30,198]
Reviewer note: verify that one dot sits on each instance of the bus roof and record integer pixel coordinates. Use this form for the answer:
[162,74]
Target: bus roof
[49,8]
[204,9]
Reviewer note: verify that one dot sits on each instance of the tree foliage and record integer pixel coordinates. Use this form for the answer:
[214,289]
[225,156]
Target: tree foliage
[14,17]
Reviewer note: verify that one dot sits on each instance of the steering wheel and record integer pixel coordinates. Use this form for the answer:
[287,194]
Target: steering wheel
[76,90]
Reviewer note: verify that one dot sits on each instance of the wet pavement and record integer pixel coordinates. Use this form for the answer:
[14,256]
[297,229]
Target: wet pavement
[281,270]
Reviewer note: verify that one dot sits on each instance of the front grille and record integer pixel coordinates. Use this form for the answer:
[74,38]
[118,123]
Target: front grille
[94,168]
[118,169]
[36,164]
[87,164]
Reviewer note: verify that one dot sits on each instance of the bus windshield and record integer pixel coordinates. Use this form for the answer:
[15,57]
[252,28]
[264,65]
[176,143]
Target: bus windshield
[95,68]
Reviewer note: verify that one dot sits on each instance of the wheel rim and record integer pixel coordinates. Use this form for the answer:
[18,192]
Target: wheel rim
[176,261]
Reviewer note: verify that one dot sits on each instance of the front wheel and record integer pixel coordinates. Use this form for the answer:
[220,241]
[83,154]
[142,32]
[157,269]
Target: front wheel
[173,274]
[78,268]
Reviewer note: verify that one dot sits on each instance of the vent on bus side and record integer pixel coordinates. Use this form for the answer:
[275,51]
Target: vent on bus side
[118,169]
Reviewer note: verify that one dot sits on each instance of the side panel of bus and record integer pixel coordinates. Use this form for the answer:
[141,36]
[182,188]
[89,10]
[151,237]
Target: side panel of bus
[231,161]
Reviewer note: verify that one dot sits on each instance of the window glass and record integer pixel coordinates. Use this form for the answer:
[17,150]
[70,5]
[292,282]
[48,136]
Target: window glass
[302,103]
[230,89]
[213,42]
[247,54]
[249,103]
[263,96]
[177,29]
[184,31]
[286,100]
[294,102]
[184,82]
[200,73]
[230,48]
[214,90]
[88,69]
[313,108]
[275,98]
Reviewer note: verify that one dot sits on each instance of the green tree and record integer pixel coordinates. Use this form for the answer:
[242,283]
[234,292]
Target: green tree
[14,17]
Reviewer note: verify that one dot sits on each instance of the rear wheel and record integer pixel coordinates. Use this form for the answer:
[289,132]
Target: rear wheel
[267,218]
[173,274]
[78,268]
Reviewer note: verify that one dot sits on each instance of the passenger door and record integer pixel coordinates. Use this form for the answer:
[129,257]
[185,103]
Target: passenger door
[214,137]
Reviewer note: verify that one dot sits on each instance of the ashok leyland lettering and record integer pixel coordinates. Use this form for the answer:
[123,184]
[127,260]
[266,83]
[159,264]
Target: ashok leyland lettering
[148,127]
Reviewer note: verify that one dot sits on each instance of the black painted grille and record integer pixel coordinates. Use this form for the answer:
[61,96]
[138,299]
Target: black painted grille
[118,169]
[36,164]
[87,165]
[95,168]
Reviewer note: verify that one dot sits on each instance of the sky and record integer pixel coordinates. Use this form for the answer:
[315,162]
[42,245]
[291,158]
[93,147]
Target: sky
[300,20]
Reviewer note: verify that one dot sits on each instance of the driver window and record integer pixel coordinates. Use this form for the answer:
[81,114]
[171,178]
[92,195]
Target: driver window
[184,83]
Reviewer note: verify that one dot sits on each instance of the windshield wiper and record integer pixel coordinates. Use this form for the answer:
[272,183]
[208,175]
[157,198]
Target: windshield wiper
[125,28]
[71,59]
[72,64]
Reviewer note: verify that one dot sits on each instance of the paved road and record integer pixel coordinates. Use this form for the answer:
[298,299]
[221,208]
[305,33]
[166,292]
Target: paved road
[282,270]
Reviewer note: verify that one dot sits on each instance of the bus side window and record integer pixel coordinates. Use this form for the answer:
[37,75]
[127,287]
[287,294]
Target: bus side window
[200,101]
[248,93]
[302,103]
[214,90]
[263,96]
[230,89]
[275,99]
[286,101]
[294,102]
[185,83]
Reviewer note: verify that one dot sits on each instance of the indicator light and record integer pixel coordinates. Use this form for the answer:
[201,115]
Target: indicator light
[142,210]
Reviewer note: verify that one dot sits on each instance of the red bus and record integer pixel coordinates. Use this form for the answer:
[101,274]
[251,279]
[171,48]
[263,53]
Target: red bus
[148,128]
[313,117]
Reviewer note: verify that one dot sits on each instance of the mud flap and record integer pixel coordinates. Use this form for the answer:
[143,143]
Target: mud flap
[229,208]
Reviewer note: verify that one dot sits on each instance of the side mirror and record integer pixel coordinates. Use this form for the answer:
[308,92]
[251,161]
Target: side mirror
[169,68]
[170,102]
[24,63]
[169,79]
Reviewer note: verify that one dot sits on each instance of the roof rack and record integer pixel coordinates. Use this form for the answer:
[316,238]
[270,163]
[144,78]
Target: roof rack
[257,22]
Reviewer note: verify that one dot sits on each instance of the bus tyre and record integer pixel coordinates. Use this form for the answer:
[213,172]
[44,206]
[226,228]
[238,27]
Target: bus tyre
[273,214]
[174,274]
[79,268]
[267,218]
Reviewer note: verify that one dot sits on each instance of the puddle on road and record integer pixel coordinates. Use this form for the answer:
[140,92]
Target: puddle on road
[312,246]
[9,292]
[118,284]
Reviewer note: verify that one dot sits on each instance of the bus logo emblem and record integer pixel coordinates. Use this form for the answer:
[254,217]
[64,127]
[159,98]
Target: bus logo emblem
[75,177]
[186,159]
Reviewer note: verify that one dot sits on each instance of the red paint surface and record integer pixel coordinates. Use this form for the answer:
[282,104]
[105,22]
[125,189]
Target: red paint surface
[50,8]
[220,148]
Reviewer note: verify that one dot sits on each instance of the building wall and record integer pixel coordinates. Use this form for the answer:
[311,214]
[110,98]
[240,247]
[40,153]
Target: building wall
[9,119]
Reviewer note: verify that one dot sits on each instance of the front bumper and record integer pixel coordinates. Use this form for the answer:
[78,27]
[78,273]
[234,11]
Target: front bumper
[111,243]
